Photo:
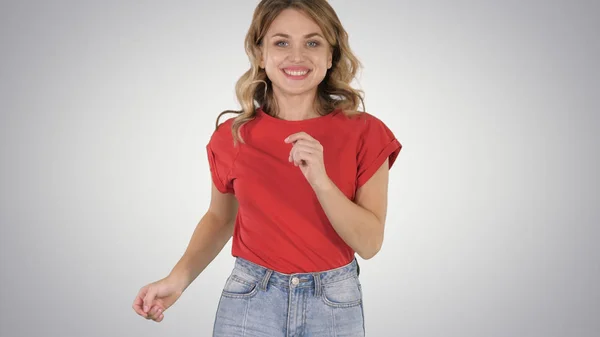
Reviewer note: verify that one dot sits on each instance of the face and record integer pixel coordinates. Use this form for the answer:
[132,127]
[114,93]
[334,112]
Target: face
[294,53]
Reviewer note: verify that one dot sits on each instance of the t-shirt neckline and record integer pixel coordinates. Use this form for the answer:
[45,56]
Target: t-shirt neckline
[268,118]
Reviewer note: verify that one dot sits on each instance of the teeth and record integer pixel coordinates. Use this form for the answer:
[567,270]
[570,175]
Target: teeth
[296,73]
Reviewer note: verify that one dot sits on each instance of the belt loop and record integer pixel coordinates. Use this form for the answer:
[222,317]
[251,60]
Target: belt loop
[265,280]
[317,278]
[357,268]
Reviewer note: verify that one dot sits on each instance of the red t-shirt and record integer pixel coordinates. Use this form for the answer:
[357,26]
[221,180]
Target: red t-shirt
[280,223]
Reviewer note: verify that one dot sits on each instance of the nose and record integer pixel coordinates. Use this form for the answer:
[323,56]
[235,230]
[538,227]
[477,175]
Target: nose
[297,54]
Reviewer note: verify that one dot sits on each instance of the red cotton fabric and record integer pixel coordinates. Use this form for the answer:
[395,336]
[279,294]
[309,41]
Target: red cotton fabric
[280,223]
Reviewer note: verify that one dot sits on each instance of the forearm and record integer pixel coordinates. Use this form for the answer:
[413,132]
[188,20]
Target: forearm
[208,239]
[357,226]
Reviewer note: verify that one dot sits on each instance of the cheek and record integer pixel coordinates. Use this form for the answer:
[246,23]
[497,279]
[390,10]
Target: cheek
[271,71]
[272,63]
[272,60]
[321,60]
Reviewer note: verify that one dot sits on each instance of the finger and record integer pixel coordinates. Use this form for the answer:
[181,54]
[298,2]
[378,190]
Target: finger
[302,149]
[296,136]
[305,148]
[156,312]
[160,318]
[149,317]
[139,302]
[152,312]
[309,143]
[303,157]
[293,157]
[149,298]
[159,313]
[139,310]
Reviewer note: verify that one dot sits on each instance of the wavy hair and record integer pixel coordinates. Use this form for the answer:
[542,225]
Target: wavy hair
[334,92]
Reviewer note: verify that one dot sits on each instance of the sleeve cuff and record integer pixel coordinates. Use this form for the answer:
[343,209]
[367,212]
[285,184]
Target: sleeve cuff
[390,151]
[216,179]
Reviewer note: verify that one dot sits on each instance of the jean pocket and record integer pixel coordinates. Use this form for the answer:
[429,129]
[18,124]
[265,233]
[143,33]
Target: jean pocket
[239,287]
[342,294]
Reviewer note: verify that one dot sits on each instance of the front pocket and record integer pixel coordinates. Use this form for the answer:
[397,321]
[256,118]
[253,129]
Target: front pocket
[237,287]
[342,294]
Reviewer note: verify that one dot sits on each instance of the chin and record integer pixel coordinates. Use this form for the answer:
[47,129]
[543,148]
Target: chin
[292,89]
[295,90]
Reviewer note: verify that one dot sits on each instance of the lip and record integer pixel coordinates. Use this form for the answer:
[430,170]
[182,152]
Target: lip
[292,77]
[295,68]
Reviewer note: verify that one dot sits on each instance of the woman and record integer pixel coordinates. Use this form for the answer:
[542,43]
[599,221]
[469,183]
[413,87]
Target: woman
[300,181]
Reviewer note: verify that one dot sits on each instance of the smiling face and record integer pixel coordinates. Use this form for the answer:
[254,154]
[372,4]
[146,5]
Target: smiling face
[295,54]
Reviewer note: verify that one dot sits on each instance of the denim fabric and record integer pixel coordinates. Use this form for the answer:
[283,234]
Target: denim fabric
[259,302]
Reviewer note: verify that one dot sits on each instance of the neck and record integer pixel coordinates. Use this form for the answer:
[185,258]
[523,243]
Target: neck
[295,107]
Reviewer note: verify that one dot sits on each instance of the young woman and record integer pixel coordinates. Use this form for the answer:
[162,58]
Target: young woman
[300,181]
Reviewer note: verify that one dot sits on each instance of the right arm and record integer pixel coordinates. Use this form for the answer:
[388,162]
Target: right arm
[210,236]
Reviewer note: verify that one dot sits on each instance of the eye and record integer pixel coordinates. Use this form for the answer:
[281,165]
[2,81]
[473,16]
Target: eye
[313,43]
[280,43]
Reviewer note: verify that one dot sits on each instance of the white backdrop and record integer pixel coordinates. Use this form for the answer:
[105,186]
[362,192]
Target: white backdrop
[106,107]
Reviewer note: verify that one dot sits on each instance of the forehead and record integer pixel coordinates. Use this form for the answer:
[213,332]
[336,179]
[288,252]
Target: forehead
[293,22]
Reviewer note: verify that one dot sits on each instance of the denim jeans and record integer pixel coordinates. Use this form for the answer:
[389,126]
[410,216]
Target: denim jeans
[260,302]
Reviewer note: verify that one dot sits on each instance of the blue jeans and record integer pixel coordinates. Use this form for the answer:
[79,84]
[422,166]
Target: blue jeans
[259,302]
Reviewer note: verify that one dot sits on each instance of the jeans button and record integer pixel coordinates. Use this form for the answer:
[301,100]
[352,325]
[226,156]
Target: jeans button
[295,281]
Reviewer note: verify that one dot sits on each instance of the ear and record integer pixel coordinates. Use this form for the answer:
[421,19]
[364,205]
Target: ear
[330,59]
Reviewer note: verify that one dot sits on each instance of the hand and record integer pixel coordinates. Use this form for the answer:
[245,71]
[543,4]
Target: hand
[153,299]
[307,153]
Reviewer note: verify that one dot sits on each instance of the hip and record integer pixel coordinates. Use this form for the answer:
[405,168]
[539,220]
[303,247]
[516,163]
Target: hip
[258,301]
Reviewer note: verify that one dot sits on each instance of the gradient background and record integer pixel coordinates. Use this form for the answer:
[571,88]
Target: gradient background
[106,107]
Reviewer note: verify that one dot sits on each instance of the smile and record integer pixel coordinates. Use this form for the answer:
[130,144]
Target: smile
[296,74]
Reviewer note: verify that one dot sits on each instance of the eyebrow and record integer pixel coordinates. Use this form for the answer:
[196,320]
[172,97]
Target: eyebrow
[305,36]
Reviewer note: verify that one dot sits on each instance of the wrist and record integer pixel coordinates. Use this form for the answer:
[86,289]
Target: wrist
[179,280]
[324,185]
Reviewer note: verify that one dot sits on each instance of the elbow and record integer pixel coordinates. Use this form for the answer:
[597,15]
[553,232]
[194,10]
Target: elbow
[371,248]
[369,254]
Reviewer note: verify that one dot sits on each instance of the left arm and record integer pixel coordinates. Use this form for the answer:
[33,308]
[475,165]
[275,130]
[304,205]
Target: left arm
[361,223]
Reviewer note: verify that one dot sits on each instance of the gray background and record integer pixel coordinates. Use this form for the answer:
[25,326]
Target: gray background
[106,107]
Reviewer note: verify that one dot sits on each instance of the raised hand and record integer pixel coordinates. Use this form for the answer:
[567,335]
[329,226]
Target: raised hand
[307,153]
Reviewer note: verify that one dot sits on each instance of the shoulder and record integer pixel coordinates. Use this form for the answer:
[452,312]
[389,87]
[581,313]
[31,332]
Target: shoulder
[357,116]
[223,131]
[376,143]
[224,127]
[222,137]
[363,122]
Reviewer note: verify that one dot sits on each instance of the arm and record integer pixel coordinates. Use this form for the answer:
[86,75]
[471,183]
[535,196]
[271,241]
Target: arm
[361,223]
[210,236]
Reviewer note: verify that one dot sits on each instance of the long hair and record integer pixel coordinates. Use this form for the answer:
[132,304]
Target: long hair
[334,92]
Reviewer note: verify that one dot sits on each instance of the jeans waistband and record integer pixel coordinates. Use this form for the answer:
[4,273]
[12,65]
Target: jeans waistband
[298,280]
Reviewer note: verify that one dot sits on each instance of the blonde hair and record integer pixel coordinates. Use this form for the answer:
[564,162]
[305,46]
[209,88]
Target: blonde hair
[334,92]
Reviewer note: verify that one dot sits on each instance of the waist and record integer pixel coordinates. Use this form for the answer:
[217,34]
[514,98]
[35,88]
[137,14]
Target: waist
[298,280]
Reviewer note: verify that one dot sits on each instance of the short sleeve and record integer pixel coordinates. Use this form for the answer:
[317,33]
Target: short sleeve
[221,156]
[377,142]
